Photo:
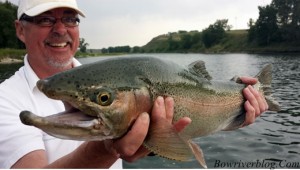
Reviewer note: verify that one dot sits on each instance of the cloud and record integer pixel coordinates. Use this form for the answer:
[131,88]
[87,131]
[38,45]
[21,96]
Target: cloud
[136,22]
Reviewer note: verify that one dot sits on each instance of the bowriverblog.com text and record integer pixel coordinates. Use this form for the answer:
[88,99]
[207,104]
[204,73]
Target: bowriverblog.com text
[256,164]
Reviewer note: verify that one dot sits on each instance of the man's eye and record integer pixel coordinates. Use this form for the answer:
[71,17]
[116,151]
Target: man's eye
[70,20]
[45,20]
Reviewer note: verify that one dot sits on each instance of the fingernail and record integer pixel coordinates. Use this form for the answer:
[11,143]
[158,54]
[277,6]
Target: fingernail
[145,117]
[160,100]
[247,90]
[169,99]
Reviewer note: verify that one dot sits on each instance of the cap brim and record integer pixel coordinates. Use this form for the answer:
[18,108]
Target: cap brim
[49,6]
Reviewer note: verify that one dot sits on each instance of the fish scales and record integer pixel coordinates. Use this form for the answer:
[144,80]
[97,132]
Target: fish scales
[107,96]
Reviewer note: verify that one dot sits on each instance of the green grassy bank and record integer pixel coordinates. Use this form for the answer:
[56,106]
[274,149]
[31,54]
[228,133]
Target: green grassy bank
[17,54]
[235,41]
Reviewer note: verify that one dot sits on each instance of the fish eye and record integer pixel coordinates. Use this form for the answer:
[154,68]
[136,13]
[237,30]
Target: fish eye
[104,99]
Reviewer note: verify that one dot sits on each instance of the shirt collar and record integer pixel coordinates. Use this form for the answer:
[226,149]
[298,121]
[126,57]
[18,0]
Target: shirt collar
[31,76]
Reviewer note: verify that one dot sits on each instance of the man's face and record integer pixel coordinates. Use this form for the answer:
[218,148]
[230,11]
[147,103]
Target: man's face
[54,45]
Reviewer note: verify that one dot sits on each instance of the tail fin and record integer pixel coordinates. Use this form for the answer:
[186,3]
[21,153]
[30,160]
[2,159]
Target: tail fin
[265,79]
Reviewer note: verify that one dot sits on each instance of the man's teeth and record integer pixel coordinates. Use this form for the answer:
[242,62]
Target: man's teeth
[58,44]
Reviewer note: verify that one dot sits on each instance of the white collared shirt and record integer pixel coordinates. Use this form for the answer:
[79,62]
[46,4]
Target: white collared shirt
[19,93]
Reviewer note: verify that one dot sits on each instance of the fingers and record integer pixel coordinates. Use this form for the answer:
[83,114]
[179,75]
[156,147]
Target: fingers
[158,110]
[252,99]
[249,80]
[255,104]
[262,103]
[133,140]
[140,153]
[169,106]
[182,123]
[257,101]
[163,108]
[250,114]
[109,146]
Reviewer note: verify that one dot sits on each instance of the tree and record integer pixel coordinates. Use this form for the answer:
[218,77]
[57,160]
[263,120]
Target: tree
[196,38]
[8,14]
[186,41]
[251,32]
[104,50]
[215,32]
[136,49]
[277,22]
[173,44]
[266,26]
[288,17]
[83,45]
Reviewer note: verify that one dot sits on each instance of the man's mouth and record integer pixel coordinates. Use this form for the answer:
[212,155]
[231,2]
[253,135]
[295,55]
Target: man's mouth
[58,45]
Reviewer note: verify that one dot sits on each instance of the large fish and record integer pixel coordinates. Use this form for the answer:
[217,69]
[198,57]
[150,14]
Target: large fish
[110,94]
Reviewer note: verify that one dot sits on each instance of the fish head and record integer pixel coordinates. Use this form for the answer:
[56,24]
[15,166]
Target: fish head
[96,111]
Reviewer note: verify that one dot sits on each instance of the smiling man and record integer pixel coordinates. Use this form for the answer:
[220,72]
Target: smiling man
[50,31]
[50,38]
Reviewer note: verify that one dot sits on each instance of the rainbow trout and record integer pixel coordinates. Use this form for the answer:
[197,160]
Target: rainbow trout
[110,94]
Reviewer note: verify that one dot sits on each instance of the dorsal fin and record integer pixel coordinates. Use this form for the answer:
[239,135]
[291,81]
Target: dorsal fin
[198,68]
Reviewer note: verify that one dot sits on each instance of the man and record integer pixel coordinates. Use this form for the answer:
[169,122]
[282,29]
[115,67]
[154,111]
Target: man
[49,29]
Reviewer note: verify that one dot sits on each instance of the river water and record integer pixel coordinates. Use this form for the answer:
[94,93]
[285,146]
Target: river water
[273,141]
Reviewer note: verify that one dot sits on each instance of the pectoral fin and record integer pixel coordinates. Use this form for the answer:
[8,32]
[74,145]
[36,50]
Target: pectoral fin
[164,141]
[198,153]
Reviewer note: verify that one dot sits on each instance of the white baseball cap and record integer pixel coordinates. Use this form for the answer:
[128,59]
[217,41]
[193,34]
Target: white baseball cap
[36,7]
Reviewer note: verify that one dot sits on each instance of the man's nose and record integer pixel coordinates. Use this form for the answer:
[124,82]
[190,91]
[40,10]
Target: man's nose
[59,27]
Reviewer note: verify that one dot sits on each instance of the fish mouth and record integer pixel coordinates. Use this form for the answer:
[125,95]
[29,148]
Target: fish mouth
[71,124]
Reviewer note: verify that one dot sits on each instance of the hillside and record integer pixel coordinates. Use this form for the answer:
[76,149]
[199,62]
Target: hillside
[235,41]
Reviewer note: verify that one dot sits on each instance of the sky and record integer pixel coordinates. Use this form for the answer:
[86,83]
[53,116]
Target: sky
[136,22]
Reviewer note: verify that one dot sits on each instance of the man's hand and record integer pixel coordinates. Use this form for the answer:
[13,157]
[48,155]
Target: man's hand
[255,103]
[164,109]
[130,146]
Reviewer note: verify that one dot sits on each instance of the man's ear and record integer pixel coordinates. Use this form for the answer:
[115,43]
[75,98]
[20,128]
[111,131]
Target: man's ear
[20,30]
